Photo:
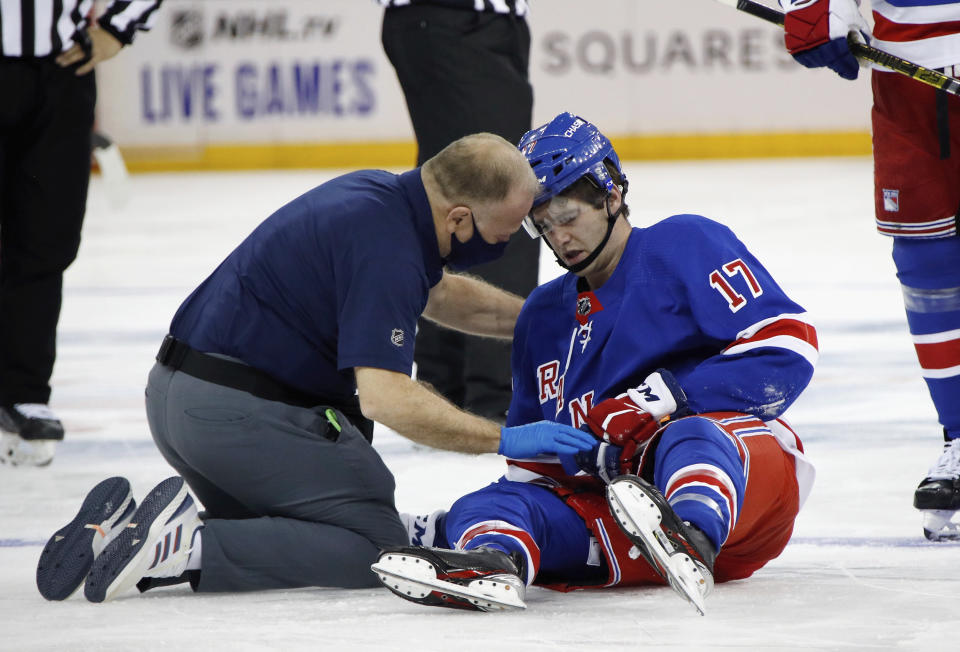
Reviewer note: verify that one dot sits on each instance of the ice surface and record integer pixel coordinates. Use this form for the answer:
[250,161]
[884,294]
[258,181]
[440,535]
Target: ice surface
[858,574]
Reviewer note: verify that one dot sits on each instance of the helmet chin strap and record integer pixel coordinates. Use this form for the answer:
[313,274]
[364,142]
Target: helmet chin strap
[582,265]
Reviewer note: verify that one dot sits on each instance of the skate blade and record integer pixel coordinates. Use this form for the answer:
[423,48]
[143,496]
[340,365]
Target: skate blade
[640,518]
[23,452]
[415,579]
[938,526]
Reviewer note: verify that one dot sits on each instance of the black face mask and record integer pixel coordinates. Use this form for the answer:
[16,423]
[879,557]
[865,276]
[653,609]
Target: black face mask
[474,251]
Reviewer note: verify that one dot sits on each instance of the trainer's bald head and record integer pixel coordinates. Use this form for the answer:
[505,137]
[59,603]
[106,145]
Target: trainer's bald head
[480,169]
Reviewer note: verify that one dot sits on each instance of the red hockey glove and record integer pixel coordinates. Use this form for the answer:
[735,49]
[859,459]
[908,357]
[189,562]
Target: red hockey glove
[626,423]
[815,33]
[621,422]
[623,428]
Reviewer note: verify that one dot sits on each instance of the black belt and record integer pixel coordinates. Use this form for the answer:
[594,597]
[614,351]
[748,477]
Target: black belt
[179,356]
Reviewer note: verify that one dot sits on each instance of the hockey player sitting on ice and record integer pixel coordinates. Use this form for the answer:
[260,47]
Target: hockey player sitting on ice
[680,353]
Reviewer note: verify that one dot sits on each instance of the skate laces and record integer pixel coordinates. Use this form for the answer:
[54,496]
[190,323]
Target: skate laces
[948,466]
[35,411]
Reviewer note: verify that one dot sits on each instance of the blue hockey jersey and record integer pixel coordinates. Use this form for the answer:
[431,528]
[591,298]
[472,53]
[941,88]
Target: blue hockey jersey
[686,296]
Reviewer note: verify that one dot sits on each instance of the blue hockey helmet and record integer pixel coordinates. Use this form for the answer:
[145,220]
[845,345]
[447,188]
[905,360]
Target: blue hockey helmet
[565,150]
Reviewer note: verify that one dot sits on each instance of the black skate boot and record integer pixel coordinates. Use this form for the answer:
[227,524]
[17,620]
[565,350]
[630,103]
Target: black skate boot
[938,495]
[681,553]
[482,579]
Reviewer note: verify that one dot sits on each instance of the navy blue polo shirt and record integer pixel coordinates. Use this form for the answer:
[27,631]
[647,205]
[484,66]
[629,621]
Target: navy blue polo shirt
[335,279]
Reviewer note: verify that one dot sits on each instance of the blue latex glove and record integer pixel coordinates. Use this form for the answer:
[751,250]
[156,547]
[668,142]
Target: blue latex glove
[543,438]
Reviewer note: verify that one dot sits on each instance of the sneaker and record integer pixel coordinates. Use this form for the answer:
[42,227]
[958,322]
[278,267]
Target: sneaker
[938,495]
[156,543]
[69,554]
[678,551]
[482,579]
[29,434]
[422,530]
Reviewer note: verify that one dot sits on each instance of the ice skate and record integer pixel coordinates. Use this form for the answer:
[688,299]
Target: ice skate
[938,525]
[156,543]
[70,552]
[29,433]
[483,579]
[938,495]
[680,553]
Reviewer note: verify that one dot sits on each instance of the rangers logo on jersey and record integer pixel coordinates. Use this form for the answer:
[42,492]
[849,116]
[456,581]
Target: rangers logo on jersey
[584,334]
[891,200]
[548,377]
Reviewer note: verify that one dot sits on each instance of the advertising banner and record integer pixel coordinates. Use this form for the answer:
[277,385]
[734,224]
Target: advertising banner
[239,83]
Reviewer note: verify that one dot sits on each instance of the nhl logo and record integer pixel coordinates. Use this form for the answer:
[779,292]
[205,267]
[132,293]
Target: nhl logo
[396,337]
[583,306]
[186,28]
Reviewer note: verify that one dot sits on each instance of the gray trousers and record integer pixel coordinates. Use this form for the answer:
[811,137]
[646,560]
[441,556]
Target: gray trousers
[289,501]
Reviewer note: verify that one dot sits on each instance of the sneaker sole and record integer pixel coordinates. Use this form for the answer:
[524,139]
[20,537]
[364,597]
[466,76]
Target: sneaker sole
[415,579]
[70,552]
[639,516]
[122,563]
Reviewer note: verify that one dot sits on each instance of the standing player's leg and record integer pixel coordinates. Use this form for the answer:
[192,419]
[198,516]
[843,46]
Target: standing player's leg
[929,273]
[916,143]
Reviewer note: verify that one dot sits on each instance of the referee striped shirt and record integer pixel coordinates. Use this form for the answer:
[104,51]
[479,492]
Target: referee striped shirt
[518,7]
[43,28]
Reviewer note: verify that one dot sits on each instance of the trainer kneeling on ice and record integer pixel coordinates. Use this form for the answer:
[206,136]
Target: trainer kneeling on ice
[262,394]
[678,351]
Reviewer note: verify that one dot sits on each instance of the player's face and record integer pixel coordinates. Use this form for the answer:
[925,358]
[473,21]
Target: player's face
[573,227]
[502,219]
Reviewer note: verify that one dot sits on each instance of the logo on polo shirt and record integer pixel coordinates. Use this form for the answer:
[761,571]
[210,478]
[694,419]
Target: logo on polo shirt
[396,337]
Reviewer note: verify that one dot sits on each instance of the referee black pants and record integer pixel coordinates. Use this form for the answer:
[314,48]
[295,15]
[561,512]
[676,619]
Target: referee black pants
[46,118]
[463,72]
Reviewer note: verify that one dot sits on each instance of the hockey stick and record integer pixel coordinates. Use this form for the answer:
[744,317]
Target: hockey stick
[861,50]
